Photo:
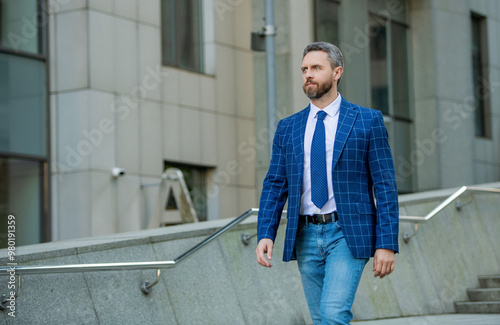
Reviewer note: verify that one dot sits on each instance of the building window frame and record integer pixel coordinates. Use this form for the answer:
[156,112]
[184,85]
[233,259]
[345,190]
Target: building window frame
[480,76]
[44,222]
[41,21]
[196,178]
[170,38]
[393,118]
[318,33]
[389,25]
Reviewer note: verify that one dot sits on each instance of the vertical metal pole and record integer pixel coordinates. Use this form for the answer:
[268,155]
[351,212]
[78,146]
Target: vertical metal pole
[269,32]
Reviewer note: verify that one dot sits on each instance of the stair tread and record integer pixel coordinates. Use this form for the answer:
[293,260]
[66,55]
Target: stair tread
[489,281]
[478,307]
[483,289]
[494,302]
[482,300]
[489,276]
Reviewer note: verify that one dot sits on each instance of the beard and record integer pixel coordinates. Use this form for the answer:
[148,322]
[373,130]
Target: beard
[319,92]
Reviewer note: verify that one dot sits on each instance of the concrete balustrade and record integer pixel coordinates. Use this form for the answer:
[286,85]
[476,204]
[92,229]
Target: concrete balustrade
[222,283]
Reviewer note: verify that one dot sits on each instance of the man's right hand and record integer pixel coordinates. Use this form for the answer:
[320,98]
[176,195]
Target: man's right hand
[264,246]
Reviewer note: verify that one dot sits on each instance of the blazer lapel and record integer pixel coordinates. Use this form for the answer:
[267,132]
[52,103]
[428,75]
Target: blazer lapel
[298,131]
[347,116]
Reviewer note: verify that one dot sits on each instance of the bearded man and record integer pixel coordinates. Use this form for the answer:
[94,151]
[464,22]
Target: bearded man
[331,160]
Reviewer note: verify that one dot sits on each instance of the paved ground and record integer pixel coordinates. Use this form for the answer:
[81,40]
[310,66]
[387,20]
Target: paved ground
[449,319]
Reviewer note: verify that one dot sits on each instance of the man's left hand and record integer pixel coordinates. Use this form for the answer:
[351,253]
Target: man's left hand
[383,262]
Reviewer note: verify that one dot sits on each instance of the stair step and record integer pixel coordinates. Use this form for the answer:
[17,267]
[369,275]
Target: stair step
[489,281]
[478,307]
[484,294]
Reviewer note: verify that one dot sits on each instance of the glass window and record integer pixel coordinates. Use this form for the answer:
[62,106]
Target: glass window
[479,75]
[403,160]
[326,26]
[378,64]
[21,195]
[195,178]
[400,71]
[181,34]
[23,121]
[23,91]
[21,26]
[389,58]
[390,88]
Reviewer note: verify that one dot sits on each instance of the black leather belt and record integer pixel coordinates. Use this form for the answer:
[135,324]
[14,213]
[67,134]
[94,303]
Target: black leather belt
[321,218]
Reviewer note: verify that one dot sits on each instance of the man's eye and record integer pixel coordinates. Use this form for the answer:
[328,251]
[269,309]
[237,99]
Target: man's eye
[317,68]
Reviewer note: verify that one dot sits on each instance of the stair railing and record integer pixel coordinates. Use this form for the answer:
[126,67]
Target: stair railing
[13,269]
[444,204]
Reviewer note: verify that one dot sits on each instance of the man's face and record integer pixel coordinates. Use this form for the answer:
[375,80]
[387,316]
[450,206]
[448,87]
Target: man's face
[318,77]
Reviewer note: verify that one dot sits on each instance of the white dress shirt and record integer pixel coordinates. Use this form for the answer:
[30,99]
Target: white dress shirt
[331,121]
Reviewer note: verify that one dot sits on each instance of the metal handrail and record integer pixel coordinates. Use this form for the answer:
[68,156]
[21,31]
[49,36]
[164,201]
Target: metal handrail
[145,286]
[440,207]
[13,268]
[72,268]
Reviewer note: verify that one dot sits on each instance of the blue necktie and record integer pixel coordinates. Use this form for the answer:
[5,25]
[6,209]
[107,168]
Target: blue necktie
[319,185]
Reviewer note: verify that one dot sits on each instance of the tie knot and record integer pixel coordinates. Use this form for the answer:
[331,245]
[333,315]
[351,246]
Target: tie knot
[321,115]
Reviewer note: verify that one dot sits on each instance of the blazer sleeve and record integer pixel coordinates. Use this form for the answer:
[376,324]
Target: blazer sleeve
[385,189]
[274,191]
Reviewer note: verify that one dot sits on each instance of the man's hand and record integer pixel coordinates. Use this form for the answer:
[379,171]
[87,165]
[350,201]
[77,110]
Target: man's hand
[265,245]
[383,262]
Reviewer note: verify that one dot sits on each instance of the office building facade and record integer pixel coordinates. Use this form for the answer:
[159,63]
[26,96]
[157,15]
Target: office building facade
[92,85]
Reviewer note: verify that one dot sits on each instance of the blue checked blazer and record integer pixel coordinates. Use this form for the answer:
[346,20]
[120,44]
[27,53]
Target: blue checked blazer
[362,169]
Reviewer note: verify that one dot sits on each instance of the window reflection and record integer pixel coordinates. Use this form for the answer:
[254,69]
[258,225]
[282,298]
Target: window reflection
[181,34]
[21,196]
[195,178]
[21,28]
[378,65]
[326,21]
[23,92]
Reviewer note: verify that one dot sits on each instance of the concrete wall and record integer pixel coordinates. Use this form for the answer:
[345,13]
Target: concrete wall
[113,103]
[101,53]
[222,284]
[443,94]
[443,259]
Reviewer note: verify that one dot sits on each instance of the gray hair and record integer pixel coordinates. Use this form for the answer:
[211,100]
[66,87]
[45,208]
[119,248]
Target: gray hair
[335,57]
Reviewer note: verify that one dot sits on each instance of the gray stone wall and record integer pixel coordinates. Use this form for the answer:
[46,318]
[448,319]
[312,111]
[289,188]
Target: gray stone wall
[223,284]
[437,265]
[443,94]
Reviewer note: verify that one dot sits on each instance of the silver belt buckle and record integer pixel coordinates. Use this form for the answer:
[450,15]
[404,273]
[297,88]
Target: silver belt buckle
[323,216]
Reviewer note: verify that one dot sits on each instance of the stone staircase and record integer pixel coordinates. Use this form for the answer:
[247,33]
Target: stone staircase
[485,300]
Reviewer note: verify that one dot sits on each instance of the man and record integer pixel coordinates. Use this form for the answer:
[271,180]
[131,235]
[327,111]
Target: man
[331,160]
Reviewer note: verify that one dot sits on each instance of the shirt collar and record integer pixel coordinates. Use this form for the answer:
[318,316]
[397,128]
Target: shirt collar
[331,110]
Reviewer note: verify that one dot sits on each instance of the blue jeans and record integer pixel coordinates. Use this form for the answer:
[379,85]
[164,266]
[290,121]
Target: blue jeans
[330,273]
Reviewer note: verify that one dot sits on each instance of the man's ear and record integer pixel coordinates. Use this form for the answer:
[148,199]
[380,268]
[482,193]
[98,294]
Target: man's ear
[337,73]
